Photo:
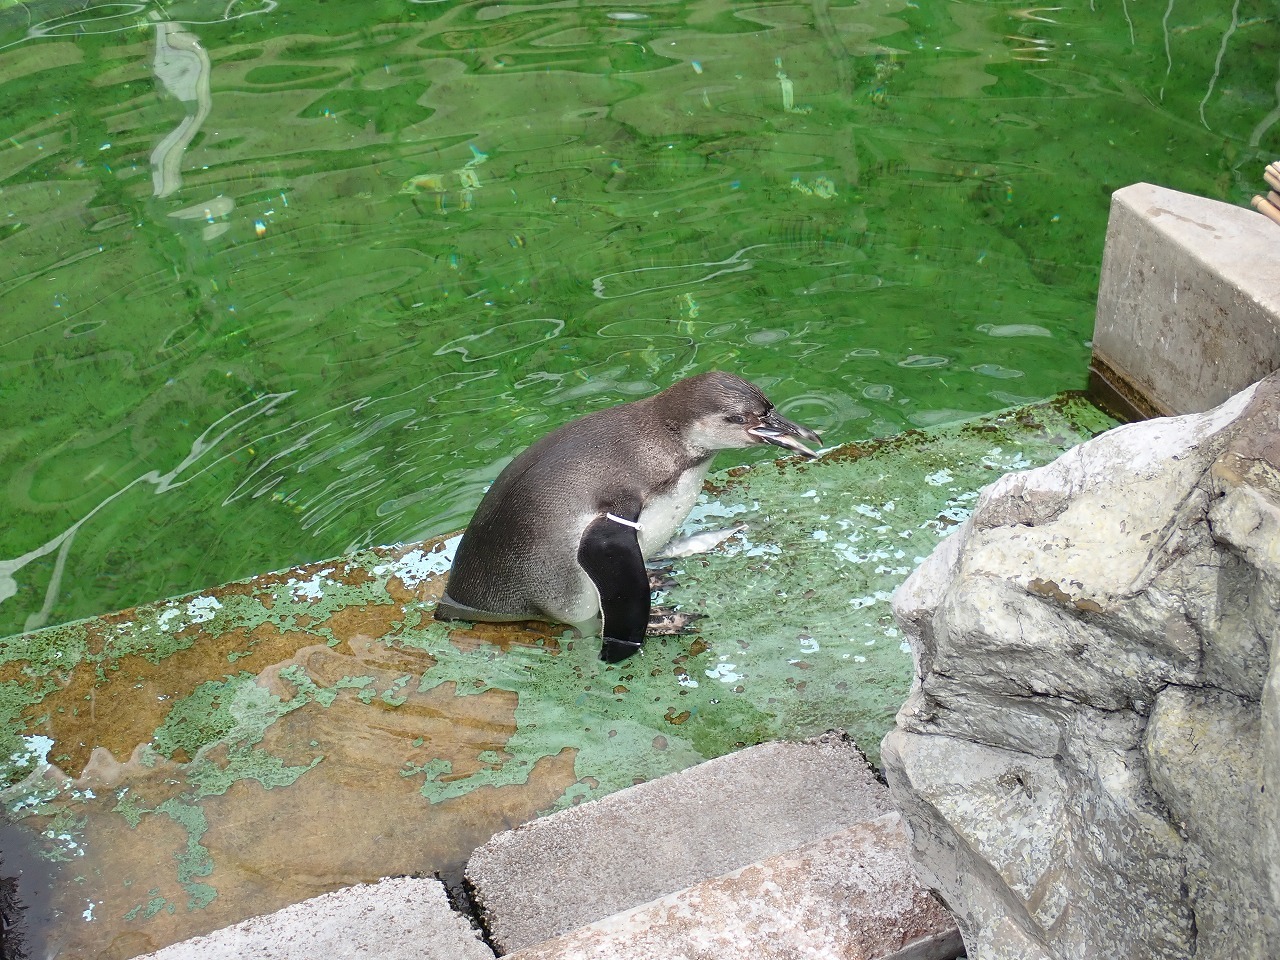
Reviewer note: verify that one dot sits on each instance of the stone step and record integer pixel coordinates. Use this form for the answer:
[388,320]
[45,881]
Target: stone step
[553,875]
[780,850]
[397,919]
[849,896]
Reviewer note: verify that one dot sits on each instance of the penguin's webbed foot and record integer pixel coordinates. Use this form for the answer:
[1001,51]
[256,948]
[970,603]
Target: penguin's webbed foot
[614,651]
[660,579]
[664,622]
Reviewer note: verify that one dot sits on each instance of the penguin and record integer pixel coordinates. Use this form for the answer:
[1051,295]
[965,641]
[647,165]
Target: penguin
[564,532]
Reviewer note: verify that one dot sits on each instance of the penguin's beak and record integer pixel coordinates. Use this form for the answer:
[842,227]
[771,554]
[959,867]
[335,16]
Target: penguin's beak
[781,432]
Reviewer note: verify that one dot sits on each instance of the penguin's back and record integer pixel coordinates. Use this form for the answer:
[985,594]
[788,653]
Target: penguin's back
[519,555]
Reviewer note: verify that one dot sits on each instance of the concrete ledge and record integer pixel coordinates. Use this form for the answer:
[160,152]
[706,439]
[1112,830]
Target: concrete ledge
[553,875]
[1188,303]
[399,919]
[850,896]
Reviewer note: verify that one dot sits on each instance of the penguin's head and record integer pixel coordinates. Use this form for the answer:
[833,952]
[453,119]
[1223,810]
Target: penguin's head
[721,411]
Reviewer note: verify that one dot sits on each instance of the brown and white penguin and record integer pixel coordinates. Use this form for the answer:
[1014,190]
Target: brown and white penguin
[564,531]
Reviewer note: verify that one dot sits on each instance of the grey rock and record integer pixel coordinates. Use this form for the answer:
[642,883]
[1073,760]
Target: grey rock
[940,783]
[1090,754]
[396,919]
[1187,299]
[550,876]
[1202,750]
[848,896]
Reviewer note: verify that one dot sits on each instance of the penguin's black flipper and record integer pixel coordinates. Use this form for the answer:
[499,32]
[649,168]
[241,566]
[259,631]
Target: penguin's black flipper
[610,553]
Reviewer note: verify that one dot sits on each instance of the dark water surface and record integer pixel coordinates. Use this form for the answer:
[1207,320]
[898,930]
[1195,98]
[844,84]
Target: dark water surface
[282,279]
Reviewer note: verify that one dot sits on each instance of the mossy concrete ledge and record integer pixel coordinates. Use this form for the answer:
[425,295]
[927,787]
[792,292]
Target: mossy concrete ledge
[1188,303]
[189,763]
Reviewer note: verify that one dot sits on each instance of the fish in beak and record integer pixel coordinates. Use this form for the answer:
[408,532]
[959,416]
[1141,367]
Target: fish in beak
[781,432]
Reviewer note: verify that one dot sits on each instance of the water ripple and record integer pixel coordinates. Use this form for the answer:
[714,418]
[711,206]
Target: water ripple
[502,339]
[669,277]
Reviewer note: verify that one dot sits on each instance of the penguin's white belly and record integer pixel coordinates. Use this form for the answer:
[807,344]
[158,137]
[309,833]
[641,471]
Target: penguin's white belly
[663,514]
[660,517]
[581,603]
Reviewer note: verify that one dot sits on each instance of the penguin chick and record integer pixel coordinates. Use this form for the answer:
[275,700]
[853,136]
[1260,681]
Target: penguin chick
[564,531]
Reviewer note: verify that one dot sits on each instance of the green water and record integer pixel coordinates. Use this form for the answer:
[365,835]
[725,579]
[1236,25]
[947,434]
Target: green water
[279,280]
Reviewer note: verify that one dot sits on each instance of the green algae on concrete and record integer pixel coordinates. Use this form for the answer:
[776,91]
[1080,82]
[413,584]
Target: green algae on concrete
[200,760]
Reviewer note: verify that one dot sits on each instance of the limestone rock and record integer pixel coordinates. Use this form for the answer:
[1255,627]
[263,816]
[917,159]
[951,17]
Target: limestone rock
[1089,759]
[646,841]
[400,918]
[849,896]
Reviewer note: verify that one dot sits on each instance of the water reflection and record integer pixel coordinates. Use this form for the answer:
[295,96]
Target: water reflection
[502,339]
[117,17]
[829,414]
[213,214]
[1014,330]
[206,443]
[275,448]
[182,67]
[628,283]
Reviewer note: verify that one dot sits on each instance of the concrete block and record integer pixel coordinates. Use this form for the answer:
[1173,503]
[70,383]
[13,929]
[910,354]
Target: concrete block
[398,919]
[553,875]
[849,896]
[1188,302]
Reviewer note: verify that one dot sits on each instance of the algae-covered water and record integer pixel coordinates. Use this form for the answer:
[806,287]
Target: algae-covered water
[282,278]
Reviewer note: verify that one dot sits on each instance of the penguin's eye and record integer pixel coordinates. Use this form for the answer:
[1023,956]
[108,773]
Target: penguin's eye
[736,418]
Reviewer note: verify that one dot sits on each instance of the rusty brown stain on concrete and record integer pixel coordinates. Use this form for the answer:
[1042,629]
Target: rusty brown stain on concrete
[365,621]
[428,591]
[131,698]
[358,813]
[503,636]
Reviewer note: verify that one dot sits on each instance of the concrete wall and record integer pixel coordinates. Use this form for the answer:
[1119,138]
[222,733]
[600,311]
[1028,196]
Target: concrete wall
[1188,304]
